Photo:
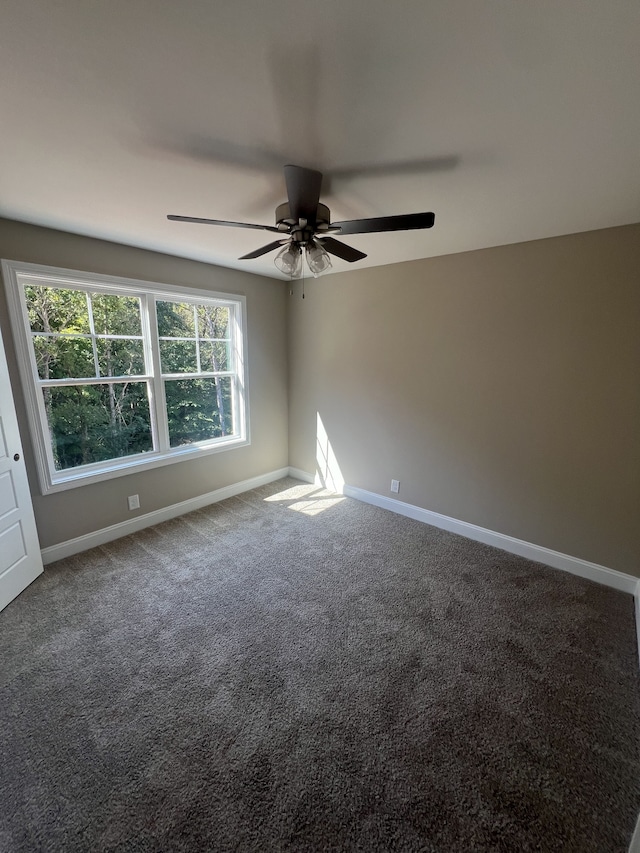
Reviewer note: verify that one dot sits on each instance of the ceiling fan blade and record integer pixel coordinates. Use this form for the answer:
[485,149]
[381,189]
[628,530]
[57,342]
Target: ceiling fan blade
[341,250]
[404,222]
[303,192]
[263,250]
[199,221]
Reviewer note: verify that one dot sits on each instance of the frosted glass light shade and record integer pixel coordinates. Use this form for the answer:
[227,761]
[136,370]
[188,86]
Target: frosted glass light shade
[318,259]
[289,260]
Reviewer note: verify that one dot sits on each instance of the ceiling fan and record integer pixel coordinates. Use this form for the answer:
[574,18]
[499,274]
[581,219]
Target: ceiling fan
[305,225]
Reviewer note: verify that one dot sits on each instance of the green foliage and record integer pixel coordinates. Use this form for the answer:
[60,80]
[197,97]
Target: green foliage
[193,410]
[52,309]
[115,315]
[93,423]
[59,358]
[120,357]
[178,356]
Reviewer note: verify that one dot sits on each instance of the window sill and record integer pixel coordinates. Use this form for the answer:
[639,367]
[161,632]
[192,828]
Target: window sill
[119,468]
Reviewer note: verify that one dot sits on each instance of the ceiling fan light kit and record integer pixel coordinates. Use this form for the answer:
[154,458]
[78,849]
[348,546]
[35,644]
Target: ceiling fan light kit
[305,224]
[289,259]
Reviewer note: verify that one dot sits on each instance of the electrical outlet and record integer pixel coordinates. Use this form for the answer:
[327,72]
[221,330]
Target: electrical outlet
[134,501]
[395,486]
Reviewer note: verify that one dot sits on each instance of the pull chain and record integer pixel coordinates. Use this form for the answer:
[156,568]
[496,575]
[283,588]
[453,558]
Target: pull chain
[291,281]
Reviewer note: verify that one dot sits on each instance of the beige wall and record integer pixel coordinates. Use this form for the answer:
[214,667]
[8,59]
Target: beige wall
[501,387]
[78,511]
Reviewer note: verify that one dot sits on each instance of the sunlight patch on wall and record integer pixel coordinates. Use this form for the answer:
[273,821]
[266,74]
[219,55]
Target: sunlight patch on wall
[326,492]
[328,471]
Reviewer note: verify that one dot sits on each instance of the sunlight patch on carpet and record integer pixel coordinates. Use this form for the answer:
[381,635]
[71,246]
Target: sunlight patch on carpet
[307,499]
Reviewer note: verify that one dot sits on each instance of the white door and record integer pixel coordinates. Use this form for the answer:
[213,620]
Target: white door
[20,559]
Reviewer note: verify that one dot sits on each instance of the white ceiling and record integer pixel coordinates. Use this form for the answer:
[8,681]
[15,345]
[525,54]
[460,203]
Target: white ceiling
[511,120]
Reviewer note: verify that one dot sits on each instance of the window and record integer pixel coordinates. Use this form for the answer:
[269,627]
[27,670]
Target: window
[121,374]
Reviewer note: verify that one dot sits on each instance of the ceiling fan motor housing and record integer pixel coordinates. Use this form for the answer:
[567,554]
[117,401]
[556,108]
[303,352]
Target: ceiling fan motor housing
[283,217]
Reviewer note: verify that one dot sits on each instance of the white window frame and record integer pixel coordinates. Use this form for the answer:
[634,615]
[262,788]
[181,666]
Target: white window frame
[17,274]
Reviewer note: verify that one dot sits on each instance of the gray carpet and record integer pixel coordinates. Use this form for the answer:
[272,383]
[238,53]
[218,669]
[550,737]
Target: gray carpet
[289,671]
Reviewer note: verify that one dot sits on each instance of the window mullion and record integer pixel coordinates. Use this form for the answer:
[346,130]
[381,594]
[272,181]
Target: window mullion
[92,330]
[197,334]
[232,362]
[152,360]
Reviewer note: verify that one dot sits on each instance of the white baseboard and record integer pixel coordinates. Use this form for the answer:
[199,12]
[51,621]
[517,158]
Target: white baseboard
[124,528]
[583,568]
[555,559]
